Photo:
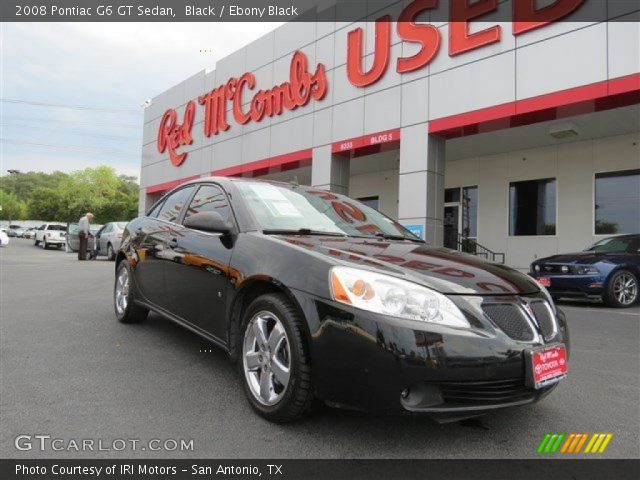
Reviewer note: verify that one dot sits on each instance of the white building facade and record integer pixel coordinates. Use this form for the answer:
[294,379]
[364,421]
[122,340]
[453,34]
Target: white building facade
[522,138]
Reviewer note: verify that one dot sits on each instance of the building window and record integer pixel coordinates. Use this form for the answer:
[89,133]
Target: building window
[371,202]
[532,207]
[617,202]
[452,195]
[470,212]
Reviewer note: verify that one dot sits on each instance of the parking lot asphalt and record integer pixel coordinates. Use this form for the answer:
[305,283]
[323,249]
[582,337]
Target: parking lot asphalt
[68,369]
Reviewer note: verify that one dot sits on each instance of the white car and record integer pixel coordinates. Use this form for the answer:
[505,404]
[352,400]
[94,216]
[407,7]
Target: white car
[4,238]
[51,235]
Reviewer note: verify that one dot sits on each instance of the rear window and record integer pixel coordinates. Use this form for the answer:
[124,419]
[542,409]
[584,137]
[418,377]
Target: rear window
[62,228]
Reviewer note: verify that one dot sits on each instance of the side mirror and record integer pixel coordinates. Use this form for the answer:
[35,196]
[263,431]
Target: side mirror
[208,222]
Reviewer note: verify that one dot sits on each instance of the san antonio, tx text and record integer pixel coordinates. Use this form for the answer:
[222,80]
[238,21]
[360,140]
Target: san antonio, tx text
[143,469]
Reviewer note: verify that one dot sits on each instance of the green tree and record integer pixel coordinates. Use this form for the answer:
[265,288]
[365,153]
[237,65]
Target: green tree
[12,207]
[44,204]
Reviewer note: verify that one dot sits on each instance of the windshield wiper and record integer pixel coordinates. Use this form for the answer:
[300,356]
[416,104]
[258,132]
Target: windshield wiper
[301,231]
[390,236]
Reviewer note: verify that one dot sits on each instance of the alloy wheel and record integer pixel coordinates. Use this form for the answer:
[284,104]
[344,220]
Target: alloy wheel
[625,288]
[122,291]
[266,358]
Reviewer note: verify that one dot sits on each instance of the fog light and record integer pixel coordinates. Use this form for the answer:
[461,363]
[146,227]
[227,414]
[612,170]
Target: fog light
[405,393]
[565,269]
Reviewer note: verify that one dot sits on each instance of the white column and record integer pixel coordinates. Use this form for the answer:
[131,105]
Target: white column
[329,171]
[421,189]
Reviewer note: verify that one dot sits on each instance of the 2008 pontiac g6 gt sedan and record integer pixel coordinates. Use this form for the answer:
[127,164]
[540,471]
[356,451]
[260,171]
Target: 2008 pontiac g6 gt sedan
[318,297]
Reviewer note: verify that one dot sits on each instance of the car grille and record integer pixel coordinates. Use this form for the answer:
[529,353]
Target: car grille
[490,392]
[511,320]
[544,318]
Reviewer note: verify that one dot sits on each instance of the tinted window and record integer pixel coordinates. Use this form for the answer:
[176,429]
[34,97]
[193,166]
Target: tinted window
[617,245]
[371,202]
[532,207]
[617,208]
[62,228]
[210,198]
[452,195]
[174,204]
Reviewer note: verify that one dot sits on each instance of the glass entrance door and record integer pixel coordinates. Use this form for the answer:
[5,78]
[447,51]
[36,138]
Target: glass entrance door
[451,225]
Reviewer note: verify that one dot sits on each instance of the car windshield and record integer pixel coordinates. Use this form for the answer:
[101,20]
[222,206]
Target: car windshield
[289,207]
[62,228]
[616,245]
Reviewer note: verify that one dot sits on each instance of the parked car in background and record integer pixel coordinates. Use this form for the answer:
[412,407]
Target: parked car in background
[607,270]
[73,241]
[107,239]
[51,235]
[29,233]
[318,296]
[4,238]
[15,231]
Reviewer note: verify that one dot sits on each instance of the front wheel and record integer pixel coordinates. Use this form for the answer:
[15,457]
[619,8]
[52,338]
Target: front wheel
[36,243]
[111,256]
[621,290]
[123,297]
[275,365]
[45,245]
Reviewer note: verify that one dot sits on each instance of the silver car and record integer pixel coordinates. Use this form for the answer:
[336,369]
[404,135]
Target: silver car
[107,239]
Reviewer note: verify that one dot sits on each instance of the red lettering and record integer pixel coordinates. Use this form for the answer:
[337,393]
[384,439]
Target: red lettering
[249,80]
[460,40]
[526,17]
[172,135]
[428,36]
[356,75]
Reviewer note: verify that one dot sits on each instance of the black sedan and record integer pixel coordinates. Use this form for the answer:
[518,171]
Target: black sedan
[318,297]
[607,270]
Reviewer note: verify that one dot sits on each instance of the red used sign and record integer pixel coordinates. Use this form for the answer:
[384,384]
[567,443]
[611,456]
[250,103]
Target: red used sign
[549,364]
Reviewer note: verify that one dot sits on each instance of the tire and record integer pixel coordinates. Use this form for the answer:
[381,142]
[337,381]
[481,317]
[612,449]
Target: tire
[274,314]
[111,255]
[621,290]
[45,245]
[124,305]
[36,242]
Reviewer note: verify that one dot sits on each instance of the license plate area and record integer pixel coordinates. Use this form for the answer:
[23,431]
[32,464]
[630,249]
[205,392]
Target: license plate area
[544,281]
[545,365]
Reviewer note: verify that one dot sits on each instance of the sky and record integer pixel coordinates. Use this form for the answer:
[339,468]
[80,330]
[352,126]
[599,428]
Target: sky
[101,73]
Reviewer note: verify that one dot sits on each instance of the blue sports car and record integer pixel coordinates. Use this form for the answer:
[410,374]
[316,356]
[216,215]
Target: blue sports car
[608,269]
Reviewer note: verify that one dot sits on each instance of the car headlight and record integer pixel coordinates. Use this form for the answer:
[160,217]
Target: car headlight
[388,295]
[586,270]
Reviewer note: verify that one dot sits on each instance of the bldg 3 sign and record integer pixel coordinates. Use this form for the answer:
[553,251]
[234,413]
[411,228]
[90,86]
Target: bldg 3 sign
[305,85]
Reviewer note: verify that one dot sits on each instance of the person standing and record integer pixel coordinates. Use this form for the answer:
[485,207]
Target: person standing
[83,235]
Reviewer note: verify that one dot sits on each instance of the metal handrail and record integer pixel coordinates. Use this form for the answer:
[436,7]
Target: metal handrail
[470,245]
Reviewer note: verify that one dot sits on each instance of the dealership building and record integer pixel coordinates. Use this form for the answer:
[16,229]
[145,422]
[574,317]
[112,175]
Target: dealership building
[519,139]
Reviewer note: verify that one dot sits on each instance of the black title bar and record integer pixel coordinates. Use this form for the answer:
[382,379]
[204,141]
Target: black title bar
[309,10]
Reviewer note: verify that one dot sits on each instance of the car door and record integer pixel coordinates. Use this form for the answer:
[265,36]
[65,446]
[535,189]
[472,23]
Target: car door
[197,284]
[103,238]
[155,249]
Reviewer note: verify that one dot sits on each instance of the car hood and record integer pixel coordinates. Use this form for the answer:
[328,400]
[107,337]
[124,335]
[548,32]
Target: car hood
[580,258]
[447,271]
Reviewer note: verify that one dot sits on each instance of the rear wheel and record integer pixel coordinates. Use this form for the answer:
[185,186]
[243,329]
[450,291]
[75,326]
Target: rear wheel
[275,364]
[123,297]
[621,290]
[45,245]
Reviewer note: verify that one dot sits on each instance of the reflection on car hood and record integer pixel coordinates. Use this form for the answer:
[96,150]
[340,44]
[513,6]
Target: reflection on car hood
[442,269]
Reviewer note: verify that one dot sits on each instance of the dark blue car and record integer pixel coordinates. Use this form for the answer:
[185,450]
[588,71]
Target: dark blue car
[609,269]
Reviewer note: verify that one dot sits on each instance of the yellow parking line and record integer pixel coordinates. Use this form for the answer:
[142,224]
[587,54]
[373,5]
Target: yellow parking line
[605,443]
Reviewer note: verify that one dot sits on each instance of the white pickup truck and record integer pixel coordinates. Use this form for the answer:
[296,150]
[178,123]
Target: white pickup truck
[51,235]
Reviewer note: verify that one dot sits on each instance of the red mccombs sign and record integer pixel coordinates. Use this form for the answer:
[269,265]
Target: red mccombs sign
[304,85]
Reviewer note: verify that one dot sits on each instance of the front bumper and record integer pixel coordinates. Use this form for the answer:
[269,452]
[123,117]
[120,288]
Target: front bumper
[374,362]
[574,286]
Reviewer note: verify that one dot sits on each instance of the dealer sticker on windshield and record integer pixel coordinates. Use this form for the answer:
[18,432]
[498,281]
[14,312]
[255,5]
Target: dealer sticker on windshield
[546,366]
